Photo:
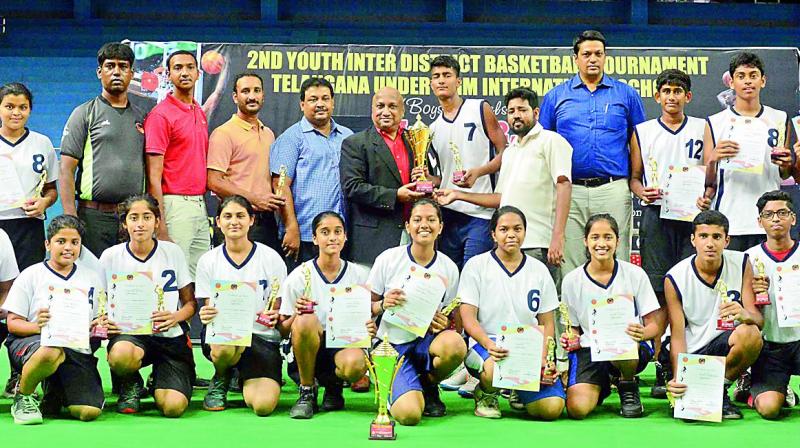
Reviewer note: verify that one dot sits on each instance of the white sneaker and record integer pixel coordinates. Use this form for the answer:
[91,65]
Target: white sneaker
[486,405]
[468,389]
[456,380]
[791,398]
[514,401]
[26,410]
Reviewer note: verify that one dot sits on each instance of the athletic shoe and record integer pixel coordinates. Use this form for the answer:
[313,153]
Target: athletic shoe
[514,401]
[741,391]
[333,399]
[128,400]
[234,385]
[306,403]
[791,398]
[631,404]
[26,410]
[434,407]
[659,389]
[200,383]
[729,410]
[362,385]
[456,380]
[216,398]
[486,404]
[11,385]
[468,388]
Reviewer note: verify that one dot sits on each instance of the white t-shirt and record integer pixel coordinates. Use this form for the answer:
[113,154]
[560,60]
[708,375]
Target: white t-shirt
[796,125]
[31,290]
[31,156]
[578,290]
[503,297]
[168,266]
[771,331]
[388,272]
[700,300]
[8,262]
[528,177]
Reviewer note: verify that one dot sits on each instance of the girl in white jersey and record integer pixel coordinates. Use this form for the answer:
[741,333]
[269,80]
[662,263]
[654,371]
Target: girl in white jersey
[506,287]
[604,277]
[168,348]
[304,317]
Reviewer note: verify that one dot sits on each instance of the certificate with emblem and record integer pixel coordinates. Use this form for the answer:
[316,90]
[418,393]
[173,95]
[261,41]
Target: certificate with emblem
[704,377]
[424,291]
[751,135]
[132,299]
[522,368]
[787,295]
[349,310]
[70,318]
[236,310]
[608,319]
[11,195]
[683,186]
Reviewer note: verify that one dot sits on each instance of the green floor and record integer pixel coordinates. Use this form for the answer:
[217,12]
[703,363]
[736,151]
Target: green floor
[238,427]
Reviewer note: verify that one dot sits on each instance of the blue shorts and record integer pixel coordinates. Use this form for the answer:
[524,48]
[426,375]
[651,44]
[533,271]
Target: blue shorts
[478,354]
[417,362]
[464,236]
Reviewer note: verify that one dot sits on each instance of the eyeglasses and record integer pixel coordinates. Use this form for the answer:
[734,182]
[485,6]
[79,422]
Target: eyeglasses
[783,214]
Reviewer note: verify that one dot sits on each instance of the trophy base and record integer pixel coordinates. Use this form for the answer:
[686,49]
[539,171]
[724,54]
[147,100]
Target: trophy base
[458,176]
[263,320]
[424,186]
[547,382]
[573,344]
[762,299]
[99,333]
[155,328]
[379,431]
[307,310]
[725,325]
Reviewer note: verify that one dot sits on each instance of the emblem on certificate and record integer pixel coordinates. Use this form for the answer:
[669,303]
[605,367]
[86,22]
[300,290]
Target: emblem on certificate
[274,287]
[762,298]
[724,323]
[383,365]
[159,306]
[458,172]
[99,331]
[419,136]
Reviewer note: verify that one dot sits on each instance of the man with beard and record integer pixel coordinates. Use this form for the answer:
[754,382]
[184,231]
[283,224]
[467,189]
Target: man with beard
[238,159]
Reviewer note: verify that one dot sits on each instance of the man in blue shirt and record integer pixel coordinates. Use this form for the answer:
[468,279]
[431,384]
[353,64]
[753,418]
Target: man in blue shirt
[310,150]
[596,114]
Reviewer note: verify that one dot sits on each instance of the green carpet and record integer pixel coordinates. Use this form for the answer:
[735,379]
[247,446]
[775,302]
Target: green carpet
[239,427]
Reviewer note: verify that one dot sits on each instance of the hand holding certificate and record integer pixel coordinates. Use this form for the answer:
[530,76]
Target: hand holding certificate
[751,136]
[787,293]
[348,313]
[521,369]
[69,319]
[236,304]
[704,377]
[423,290]
[131,301]
[608,323]
[681,190]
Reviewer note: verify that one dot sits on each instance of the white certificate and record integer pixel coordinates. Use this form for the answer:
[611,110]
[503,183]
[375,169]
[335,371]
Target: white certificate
[236,310]
[11,195]
[70,318]
[609,317]
[349,310]
[131,301]
[522,368]
[787,295]
[683,186]
[704,377]
[424,291]
[751,135]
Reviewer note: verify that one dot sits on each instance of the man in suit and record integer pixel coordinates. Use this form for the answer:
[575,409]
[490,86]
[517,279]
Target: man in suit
[376,171]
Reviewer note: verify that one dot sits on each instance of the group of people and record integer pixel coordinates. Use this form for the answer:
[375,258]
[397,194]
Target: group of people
[320,206]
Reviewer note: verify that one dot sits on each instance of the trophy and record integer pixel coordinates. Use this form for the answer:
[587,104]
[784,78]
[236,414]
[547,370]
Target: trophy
[573,343]
[40,186]
[99,331]
[762,298]
[281,181]
[419,136]
[273,296]
[653,165]
[383,365]
[458,172]
[550,360]
[451,306]
[159,306]
[724,323]
[307,289]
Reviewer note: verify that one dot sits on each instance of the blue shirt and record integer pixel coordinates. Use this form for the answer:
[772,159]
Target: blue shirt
[312,163]
[597,125]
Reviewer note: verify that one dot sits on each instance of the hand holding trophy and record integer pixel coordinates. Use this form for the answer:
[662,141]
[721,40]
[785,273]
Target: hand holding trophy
[458,171]
[383,365]
[100,331]
[419,136]
[573,342]
[724,323]
[262,318]
[762,298]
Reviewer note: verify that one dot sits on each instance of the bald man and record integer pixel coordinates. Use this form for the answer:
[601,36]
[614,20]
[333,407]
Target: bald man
[376,171]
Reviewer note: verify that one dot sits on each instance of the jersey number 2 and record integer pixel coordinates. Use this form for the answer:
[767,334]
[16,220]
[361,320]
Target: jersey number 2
[169,284]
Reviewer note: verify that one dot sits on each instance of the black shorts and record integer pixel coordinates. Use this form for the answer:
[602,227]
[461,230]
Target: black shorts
[718,346]
[583,370]
[172,360]
[774,367]
[662,244]
[76,380]
[261,360]
[324,366]
[27,238]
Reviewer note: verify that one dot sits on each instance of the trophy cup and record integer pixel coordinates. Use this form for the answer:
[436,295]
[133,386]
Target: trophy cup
[762,298]
[383,365]
[724,323]
[99,331]
[451,306]
[159,306]
[419,136]
[550,361]
[281,181]
[307,289]
[573,343]
[273,296]
[458,172]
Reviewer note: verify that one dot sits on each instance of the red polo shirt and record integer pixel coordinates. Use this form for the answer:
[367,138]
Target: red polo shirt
[179,132]
[399,152]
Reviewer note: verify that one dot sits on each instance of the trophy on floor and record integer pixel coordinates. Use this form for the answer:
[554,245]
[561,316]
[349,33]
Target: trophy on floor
[262,318]
[724,323]
[762,298]
[550,361]
[573,343]
[159,306]
[281,181]
[419,137]
[383,365]
[100,331]
[458,171]
[307,289]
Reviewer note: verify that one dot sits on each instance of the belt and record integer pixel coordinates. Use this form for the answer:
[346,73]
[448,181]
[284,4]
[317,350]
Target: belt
[596,181]
[105,207]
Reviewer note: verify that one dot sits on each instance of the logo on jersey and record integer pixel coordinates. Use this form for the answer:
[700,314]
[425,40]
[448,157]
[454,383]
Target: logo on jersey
[105,123]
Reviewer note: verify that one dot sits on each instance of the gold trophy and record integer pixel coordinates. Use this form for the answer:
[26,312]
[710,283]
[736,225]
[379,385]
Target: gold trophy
[419,136]
[458,172]
[762,298]
[724,323]
[383,365]
[550,361]
[573,343]
[159,306]
[653,165]
[451,306]
[307,289]
[99,331]
[40,186]
[273,297]
[281,181]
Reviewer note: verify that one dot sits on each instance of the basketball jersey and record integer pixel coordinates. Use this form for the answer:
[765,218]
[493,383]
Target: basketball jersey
[388,272]
[737,192]
[261,266]
[657,142]
[503,297]
[30,156]
[168,267]
[578,290]
[8,262]
[771,331]
[31,290]
[466,131]
[700,300]
[349,274]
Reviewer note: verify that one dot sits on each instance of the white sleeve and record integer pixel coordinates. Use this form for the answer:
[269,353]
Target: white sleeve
[571,297]
[8,261]
[469,287]
[548,294]
[291,290]
[452,283]
[20,296]
[52,162]
[202,284]
[377,276]
[646,300]
[97,285]
[105,263]
[181,267]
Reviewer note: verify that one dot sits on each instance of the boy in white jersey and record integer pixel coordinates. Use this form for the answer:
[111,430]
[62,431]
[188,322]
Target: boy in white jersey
[470,127]
[735,192]
[242,260]
[672,140]
[168,348]
[714,286]
[305,317]
[69,376]
[780,356]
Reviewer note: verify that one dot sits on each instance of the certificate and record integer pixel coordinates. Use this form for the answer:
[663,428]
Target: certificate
[70,318]
[522,368]
[609,318]
[131,301]
[349,309]
[236,309]
[751,135]
[424,291]
[683,186]
[704,377]
[787,295]
[11,195]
